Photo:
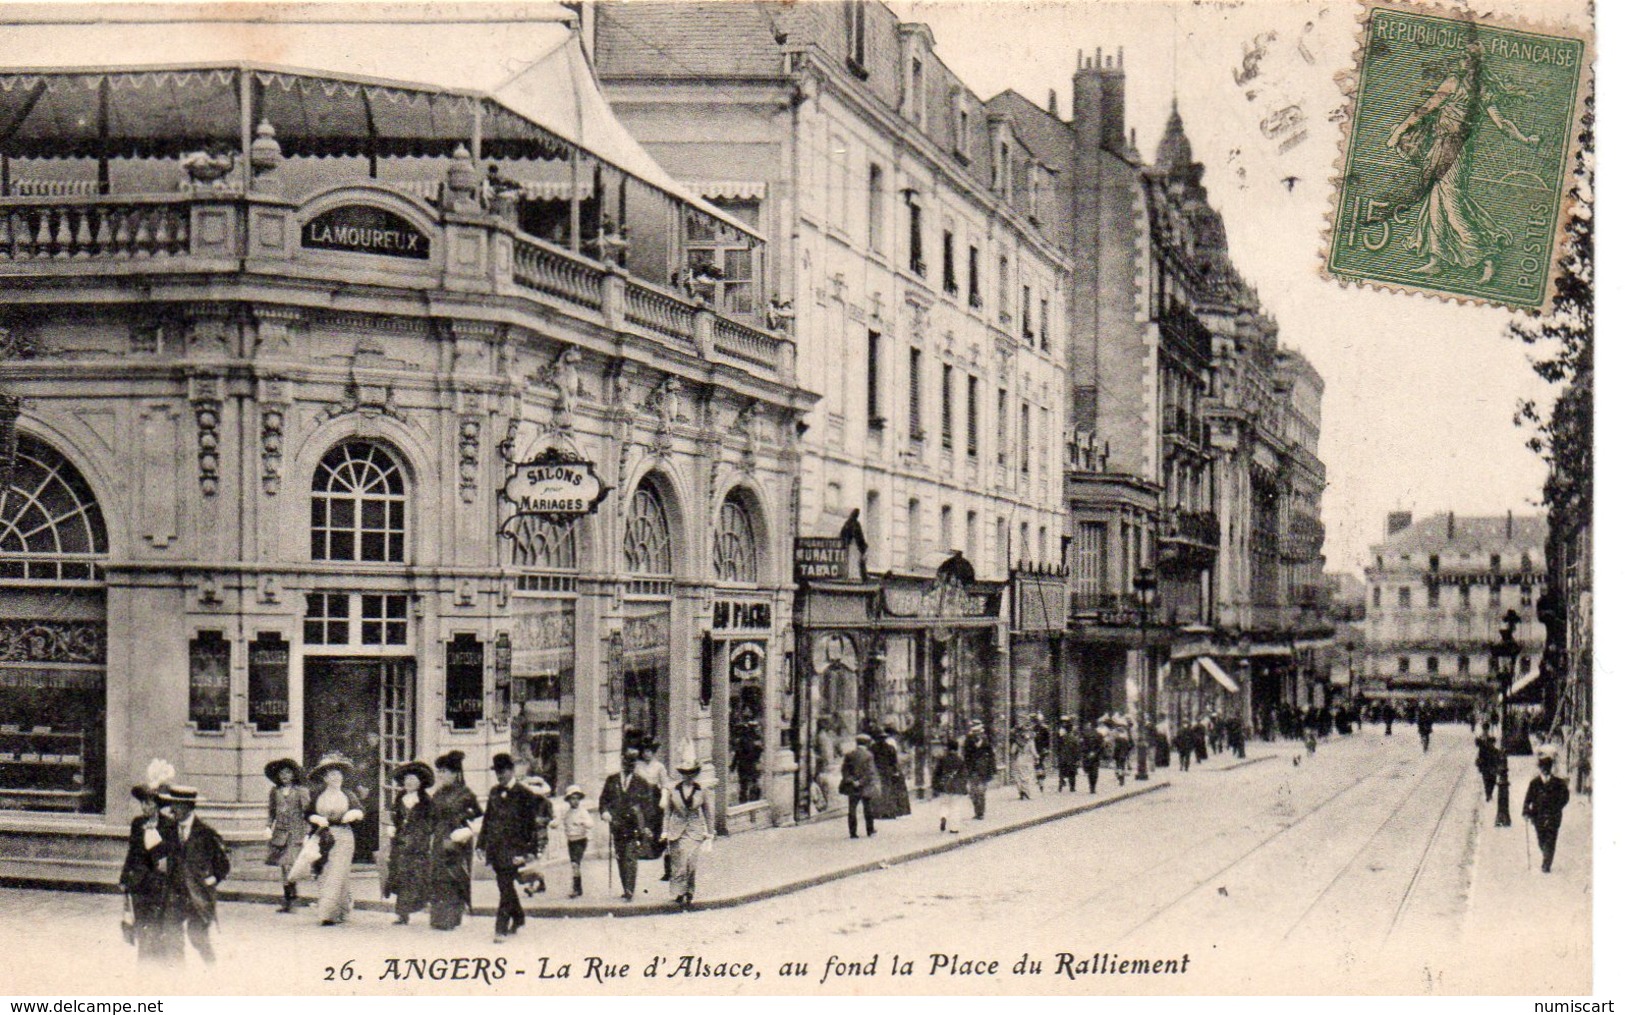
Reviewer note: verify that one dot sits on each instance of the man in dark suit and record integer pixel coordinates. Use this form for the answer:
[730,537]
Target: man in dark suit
[1091,747]
[1543,805]
[621,804]
[860,781]
[1488,762]
[1068,754]
[193,860]
[980,767]
[508,840]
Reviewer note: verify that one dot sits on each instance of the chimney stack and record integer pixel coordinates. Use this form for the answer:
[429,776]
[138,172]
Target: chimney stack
[1398,521]
[1054,104]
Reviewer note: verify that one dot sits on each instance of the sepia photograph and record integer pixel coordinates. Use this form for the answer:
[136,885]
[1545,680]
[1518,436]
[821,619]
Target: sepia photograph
[828,498]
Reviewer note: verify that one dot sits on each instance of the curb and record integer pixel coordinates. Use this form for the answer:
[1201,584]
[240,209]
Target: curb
[664,907]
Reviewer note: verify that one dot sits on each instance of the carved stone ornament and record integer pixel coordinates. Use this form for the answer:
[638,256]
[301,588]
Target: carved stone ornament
[370,401]
[468,457]
[205,398]
[563,375]
[747,425]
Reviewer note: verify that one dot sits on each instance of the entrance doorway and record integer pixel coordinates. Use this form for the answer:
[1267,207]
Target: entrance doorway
[362,708]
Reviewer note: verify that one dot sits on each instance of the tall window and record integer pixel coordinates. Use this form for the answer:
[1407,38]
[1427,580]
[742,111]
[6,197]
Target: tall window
[542,544]
[840,184]
[1001,539]
[1466,596]
[946,529]
[1464,666]
[1433,597]
[1433,562]
[972,543]
[724,253]
[735,555]
[916,422]
[1004,289]
[1043,325]
[1025,545]
[1495,595]
[1376,597]
[877,208]
[950,279]
[1043,541]
[1433,666]
[1404,597]
[973,414]
[872,381]
[916,238]
[1026,438]
[916,85]
[874,528]
[1092,558]
[947,407]
[1027,313]
[1495,562]
[1004,425]
[358,505]
[646,547]
[1404,665]
[856,34]
[913,532]
[973,272]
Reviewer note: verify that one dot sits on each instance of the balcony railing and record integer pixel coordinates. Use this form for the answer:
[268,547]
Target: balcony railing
[1199,527]
[558,273]
[84,228]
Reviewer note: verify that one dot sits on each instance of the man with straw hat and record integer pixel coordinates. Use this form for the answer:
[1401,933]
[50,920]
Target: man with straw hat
[195,861]
[1543,804]
[687,827]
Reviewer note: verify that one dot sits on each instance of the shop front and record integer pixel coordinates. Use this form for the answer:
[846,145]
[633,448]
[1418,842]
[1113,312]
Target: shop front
[1038,619]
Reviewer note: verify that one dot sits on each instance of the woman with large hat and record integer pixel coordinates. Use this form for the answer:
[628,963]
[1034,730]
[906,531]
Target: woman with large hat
[286,809]
[333,812]
[409,851]
[452,811]
[687,827]
[141,879]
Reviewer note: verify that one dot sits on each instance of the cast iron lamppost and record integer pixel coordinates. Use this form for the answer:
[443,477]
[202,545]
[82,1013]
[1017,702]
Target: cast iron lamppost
[1145,597]
[1504,662]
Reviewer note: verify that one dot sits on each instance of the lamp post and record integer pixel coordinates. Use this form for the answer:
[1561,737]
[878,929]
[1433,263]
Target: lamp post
[1504,662]
[1145,597]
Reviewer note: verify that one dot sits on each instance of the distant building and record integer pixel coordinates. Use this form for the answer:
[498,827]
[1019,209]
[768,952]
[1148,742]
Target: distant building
[1437,592]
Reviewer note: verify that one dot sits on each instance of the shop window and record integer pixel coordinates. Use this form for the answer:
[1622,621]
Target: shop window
[209,681]
[541,544]
[735,557]
[53,639]
[358,506]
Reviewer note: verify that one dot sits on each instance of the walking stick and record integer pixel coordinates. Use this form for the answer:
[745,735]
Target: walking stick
[1527,863]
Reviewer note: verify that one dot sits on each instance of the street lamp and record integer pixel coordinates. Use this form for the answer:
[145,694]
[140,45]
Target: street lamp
[1145,596]
[1504,664]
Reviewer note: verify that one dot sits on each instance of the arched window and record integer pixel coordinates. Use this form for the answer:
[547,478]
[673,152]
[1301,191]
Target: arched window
[735,554]
[647,546]
[542,544]
[49,515]
[358,505]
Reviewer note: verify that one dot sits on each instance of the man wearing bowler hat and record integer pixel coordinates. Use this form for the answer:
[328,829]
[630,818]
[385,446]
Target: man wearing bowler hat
[508,840]
[196,863]
[1543,804]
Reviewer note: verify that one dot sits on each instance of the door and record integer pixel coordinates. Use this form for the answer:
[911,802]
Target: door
[361,708]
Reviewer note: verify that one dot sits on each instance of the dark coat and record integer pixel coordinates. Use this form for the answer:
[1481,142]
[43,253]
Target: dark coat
[949,775]
[980,765]
[451,872]
[140,877]
[1544,801]
[202,855]
[859,776]
[624,802]
[1091,745]
[1068,751]
[409,858]
[509,830]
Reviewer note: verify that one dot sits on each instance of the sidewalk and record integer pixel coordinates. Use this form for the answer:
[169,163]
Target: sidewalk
[1533,929]
[761,864]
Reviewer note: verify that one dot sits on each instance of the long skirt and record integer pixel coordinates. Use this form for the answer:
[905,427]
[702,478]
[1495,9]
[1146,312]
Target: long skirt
[1025,773]
[685,865]
[333,887]
[450,889]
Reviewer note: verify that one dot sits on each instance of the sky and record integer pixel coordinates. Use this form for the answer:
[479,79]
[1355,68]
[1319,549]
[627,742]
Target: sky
[1420,394]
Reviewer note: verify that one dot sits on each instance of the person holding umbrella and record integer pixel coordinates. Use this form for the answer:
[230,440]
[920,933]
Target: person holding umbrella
[286,808]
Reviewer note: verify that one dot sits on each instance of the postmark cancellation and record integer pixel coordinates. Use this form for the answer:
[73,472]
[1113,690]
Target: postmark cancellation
[1459,143]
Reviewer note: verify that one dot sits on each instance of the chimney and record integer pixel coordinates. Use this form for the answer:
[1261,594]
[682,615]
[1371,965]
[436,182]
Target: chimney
[1450,526]
[1509,525]
[1398,521]
[1054,104]
[1112,100]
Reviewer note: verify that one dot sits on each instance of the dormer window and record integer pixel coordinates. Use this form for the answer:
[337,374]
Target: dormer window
[856,37]
[1035,184]
[916,90]
[959,112]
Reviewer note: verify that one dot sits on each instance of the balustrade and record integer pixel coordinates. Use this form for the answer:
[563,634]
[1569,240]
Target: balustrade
[559,274]
[667,315]
[94,229]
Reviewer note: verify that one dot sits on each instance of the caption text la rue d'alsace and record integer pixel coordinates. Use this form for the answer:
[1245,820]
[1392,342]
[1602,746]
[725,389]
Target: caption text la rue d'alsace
[834,969]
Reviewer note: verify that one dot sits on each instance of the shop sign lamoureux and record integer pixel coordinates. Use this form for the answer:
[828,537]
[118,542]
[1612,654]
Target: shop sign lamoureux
[554,486]
[365,229]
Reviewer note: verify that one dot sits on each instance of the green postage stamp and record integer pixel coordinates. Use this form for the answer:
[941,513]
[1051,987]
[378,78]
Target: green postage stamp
[1457,153]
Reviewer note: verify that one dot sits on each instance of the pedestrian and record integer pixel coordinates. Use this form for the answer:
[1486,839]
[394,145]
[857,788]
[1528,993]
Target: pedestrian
[530,876]
[948,783]
[1024,763]
[1068,756]
[1238,738]
[687,829]
[576,822]
[333,813]
[1122,747]
[892,801]
[286,808]
[453,809]
[507,840]
[1091,748]
[1582,759]
[193,862]
[1543,805]
[1163,746]
[143,877]
[407,878]
[1387,719]
[980,767]
[656,783]
[1199,740]
[622,804]
[1182,746]
[1424,726]
[860,783]
[1488,761]
[1042,741]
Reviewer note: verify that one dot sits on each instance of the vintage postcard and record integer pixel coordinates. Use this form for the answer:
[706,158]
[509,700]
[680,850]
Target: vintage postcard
[818,498]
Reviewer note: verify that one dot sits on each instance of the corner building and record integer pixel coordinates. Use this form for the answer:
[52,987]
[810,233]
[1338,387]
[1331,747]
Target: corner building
[914,239]
[277,336]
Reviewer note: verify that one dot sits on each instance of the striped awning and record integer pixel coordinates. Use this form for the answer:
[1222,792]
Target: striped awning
[1215,671]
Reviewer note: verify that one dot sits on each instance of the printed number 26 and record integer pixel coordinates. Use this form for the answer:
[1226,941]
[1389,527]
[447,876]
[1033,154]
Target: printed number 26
[344,972]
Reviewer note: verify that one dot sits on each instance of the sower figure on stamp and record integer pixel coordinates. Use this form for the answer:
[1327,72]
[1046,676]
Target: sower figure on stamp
[1453,229]
[194,862]
[508,841]
[1543,805]
[622,804]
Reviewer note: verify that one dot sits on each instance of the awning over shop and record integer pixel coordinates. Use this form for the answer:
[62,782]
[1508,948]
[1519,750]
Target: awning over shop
[1523,682]
[1215,671]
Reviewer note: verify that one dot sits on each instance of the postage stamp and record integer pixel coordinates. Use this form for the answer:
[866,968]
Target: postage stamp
[1457,155]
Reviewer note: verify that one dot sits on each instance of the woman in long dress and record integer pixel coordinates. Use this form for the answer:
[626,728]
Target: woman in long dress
[408,878]
[1024,765]
[452,810]
[893,799]
[686,829]
[286,810]
[334,811]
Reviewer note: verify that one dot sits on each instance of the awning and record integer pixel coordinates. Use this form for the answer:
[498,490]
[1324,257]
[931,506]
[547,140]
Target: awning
[1213,670]
[1523,681]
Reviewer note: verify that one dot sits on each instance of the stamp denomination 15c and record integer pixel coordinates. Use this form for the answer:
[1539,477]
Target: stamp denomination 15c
[1457,158]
